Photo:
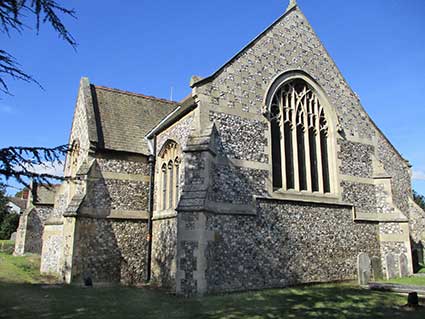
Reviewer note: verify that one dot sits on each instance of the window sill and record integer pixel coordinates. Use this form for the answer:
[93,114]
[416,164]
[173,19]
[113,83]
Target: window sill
[306,197]
[163,214]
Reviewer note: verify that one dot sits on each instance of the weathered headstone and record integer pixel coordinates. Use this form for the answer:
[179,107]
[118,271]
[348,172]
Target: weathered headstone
[404,265]
[13,236]
[376,268]
[363,269]
[391,266]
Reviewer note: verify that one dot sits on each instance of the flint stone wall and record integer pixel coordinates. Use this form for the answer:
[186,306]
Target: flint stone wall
[128,191]
[236,185]
[164,246]
[242,138]
[30,230]
[291,44]
[394,248]
[356,159]
[287,243]
[399,171]
[110,250]
[79,132]
[359,194]
[417,224]
[178,132]
[52,250]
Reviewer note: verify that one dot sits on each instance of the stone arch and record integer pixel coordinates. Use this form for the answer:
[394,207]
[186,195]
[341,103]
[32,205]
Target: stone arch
[290,175]
[168,174]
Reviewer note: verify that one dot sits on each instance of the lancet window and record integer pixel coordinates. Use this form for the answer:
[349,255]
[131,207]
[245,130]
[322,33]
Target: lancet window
[300,137]
[169,175]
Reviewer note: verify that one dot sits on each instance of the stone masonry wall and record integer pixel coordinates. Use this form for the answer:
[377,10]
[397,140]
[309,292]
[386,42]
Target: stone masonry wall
[399,171]
[52,250]
[110,250]
[118,184]
[237,185]
[111,225]
[287,243]
[242,138]
[30,230]
[240,88]
[356,159]
[79,132]
[291,44]
[179,132]
[164,246]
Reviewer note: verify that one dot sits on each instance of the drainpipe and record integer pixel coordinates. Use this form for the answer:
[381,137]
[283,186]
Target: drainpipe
[151,161]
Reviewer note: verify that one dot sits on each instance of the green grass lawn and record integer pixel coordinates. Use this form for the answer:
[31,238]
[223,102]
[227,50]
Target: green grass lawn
[7,246]
[23,300]
[413,280]
[19,269]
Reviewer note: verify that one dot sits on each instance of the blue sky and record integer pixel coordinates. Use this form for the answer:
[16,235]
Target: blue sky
[151,46]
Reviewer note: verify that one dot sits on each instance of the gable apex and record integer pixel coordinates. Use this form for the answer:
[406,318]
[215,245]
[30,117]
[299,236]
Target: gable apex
[201,81]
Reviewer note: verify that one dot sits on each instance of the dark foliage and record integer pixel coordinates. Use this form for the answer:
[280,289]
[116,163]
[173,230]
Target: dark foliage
[3,203]
[12,14]
[419,199]
[19,163]
[9,225]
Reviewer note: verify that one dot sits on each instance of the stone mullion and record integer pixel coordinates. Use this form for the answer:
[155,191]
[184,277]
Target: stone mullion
[176,182]
[294,141]
[282,111]
[307,145]
[318,146]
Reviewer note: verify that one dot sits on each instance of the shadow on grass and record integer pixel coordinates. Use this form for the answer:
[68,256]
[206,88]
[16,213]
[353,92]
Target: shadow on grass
[321,301]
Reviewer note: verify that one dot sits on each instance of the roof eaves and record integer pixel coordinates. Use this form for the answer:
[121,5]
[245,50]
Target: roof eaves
[181,110]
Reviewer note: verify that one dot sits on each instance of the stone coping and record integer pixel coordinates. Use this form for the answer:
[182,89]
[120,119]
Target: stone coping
[378,217]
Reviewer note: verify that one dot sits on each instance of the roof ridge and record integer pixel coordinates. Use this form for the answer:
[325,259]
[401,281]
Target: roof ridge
[134,94]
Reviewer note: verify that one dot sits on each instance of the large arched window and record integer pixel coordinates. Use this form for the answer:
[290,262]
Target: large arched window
[169,175]
[300,134]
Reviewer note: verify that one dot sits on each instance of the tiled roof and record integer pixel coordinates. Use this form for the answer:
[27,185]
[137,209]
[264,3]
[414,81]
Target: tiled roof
[20,202]
[123,118]
[45,195]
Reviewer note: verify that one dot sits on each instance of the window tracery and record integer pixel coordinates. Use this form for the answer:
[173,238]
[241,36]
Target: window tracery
[169,175]
[300,134]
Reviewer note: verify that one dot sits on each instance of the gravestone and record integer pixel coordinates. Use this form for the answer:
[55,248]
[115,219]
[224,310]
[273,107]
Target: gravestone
[13,236]
[363,269]
[404,265]
[391,266]
[376,268]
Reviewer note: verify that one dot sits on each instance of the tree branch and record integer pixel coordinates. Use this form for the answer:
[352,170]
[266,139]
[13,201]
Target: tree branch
[19,163]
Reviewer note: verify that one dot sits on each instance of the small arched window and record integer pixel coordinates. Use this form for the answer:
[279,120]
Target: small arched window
[73,158]
[300,146]
[169,161]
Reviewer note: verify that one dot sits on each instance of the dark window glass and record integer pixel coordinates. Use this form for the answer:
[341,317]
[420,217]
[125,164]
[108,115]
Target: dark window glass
[325,162]
[313,160]
[302,174]
[289,156]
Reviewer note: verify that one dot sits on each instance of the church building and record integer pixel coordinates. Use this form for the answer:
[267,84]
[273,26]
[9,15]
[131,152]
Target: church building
[270,173]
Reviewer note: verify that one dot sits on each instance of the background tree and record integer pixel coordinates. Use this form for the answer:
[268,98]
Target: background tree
[18,162]
[3,204]
[419,199]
